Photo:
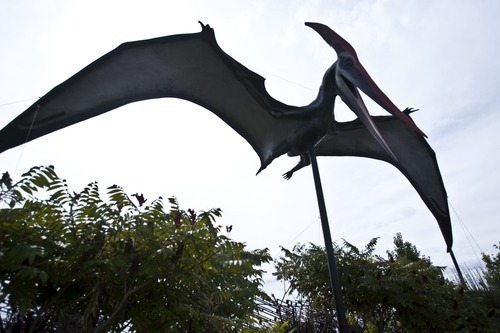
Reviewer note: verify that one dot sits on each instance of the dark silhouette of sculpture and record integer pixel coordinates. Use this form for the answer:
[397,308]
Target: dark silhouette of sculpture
[193,67]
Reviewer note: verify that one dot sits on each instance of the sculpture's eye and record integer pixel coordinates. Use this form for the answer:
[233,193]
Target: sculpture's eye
[348,62]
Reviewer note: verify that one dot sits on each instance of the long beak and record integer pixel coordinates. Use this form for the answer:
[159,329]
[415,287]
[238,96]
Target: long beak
[352,72]
[351,97]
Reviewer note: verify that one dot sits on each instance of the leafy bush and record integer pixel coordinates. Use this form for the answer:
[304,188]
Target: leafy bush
[73,262]
[403,293]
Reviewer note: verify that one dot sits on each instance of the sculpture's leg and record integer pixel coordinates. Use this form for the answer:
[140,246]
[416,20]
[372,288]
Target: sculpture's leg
[304,161]
[332,266]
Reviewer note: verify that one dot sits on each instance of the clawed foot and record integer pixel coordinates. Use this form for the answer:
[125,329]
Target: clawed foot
[409,110]
[288,175]
[304,160]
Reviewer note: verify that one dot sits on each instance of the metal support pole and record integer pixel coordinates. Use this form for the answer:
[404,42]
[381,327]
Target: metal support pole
[332,266]
[457,268]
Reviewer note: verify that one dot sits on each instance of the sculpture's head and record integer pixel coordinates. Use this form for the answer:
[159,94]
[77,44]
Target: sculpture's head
[350,75]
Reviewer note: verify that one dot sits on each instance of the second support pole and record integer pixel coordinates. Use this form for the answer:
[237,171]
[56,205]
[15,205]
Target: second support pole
[332,266]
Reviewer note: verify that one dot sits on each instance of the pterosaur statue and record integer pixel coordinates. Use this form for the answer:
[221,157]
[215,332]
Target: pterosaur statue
[193,67]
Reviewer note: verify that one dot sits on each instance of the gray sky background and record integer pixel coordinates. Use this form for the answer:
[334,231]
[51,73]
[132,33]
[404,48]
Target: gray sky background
[438,56]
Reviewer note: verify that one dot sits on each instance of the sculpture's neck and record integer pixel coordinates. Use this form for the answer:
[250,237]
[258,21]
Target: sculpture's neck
[321,108]
[327,91]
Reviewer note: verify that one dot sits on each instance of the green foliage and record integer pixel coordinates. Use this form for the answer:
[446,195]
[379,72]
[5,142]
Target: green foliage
[404,293]
[276,328]
[75,262]
[492,273]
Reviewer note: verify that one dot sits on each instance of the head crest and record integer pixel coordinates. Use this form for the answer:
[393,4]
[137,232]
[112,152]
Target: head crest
[338,43]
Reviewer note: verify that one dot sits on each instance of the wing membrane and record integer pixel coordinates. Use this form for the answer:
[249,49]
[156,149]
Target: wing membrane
[190,66]
[415,159]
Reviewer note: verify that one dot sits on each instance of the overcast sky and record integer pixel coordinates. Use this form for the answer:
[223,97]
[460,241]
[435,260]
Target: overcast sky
[438,56]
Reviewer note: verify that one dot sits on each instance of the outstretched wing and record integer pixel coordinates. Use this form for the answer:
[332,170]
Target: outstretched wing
[189,66]
[415,159]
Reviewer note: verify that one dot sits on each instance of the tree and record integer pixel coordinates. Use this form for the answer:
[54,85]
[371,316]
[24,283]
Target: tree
[492,272]
[74,262]
[403,293]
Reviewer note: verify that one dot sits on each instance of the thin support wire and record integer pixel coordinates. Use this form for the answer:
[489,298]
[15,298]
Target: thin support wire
[26,140]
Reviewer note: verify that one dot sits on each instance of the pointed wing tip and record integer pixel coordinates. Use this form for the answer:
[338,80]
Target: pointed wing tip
[262,167]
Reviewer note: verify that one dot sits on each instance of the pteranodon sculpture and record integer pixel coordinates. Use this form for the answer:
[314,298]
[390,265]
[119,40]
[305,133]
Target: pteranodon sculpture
[193,67]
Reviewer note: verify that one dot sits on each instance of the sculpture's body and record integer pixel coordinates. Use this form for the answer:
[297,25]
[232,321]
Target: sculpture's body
[194,68]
